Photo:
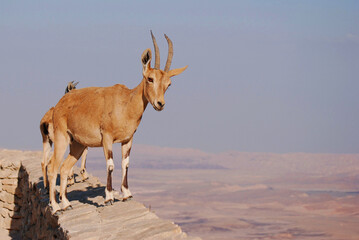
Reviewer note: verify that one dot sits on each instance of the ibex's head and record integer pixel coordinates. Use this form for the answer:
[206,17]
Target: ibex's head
[70,86]
[156,80]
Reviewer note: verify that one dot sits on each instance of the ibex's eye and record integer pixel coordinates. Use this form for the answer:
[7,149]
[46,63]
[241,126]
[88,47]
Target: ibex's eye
[150,80]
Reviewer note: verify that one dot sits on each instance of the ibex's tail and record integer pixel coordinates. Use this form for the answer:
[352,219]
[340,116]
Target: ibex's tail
[70,86]
[44,128]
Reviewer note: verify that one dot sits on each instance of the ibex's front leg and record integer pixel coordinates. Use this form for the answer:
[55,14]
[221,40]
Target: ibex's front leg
[107,148]
[83,171]
[126,149]
[84,175]
[71,178]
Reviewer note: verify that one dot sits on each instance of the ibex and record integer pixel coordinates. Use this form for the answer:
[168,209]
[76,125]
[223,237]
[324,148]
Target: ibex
[47,133]
[101,116]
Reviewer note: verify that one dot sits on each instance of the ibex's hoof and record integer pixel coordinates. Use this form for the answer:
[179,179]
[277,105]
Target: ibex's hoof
[127,198]
[57,213]
[70,183]
[109,202]
[69,207]
[84,175]
[84,179]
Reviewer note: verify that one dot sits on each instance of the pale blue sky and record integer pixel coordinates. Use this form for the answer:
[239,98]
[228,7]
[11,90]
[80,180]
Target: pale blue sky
[263,76]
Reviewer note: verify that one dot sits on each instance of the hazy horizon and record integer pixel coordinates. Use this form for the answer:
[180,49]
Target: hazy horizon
[263,76]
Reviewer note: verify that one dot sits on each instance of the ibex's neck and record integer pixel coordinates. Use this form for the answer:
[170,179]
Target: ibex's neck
[138,99]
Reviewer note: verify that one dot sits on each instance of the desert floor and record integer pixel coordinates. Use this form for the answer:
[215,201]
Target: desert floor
[261,196]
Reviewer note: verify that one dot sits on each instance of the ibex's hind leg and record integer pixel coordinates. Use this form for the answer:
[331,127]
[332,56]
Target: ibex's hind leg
[62,142]
[45,159]
[83,171]
[126,149]
[76,150]
[107,148]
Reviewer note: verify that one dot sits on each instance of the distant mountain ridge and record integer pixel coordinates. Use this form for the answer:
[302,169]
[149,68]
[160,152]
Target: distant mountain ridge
[154,157]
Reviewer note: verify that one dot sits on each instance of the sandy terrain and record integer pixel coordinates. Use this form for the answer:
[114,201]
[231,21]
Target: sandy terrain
[245,195]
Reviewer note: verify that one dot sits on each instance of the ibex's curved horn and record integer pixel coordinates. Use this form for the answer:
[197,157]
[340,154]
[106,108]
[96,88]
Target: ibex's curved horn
[170,54]
[157,52]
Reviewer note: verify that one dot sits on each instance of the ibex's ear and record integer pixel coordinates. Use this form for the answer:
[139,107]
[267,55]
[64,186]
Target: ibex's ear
[176,71]
[146,60]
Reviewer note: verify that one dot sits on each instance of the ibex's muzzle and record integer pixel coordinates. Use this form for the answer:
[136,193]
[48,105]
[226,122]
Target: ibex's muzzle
[159,105]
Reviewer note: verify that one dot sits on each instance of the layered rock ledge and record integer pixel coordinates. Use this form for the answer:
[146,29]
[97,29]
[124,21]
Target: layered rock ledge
[25,213]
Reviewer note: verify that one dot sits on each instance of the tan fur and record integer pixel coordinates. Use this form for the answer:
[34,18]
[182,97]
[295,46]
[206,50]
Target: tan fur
[101,116]
[47,133]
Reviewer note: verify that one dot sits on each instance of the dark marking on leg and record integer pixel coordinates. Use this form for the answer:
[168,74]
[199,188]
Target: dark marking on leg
[110,154]
[125,183]
[109,181]
[60,197]
[127,153]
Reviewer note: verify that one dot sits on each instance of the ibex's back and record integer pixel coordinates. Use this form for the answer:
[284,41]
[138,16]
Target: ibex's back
[86,114]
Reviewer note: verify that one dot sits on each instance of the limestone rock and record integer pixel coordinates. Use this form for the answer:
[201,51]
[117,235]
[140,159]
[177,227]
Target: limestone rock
[25,211]
[12,189]
[10,181]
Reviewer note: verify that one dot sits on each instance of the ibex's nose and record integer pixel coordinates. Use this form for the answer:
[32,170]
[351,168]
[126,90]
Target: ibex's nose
[160,104]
